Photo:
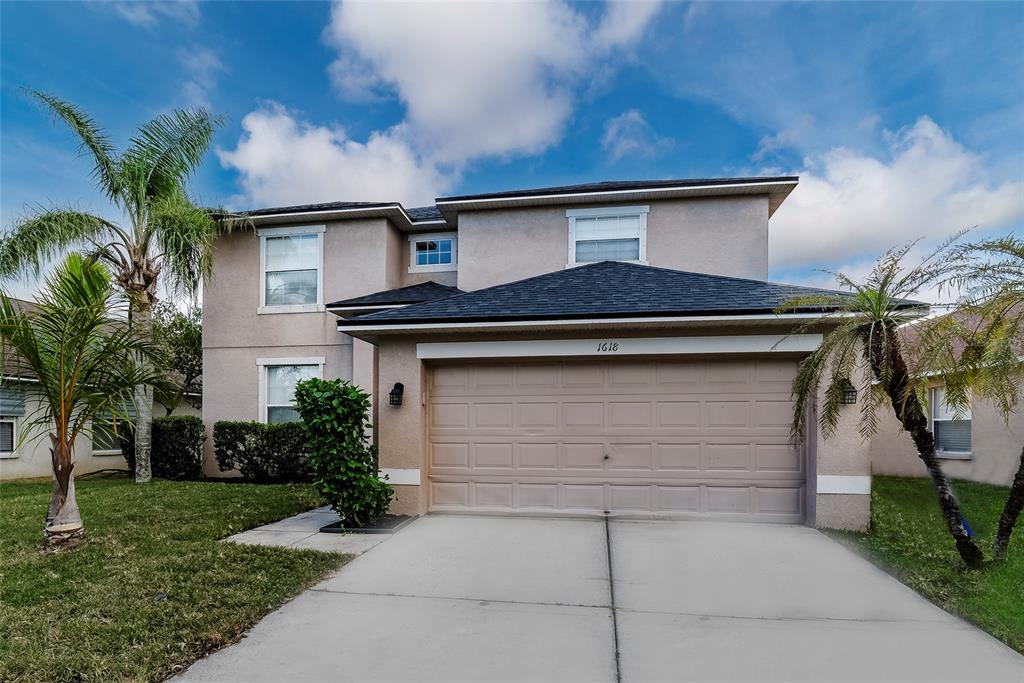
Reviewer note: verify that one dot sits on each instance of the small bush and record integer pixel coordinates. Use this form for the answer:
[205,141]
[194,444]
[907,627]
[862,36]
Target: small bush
[260,452]
[178,447]
[335,415]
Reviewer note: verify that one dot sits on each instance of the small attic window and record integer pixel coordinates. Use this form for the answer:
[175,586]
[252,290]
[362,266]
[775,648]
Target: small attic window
[432,253]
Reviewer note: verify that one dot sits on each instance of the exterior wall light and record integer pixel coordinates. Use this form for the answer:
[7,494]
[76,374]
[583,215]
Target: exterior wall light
[849,394]
[395,397]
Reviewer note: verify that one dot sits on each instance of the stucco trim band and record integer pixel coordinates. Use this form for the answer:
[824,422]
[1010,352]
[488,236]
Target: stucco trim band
[615,346]
[407,477]
[844,484]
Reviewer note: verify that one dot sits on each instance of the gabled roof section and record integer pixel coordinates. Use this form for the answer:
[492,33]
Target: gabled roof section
[776,187]
[413,294]
[602,290]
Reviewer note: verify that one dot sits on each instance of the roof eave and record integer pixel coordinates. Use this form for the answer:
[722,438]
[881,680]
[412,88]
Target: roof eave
[369,332]
[777,190]
[394,212]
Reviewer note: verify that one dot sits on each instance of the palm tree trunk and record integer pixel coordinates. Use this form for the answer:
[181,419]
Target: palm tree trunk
[63,519]
[912,416]
[142,320]
[1014,504]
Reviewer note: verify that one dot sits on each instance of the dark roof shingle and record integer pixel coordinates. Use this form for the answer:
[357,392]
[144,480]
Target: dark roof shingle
[606,289]
[413,294]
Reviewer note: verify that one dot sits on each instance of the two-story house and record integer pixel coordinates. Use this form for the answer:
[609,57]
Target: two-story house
[564,350]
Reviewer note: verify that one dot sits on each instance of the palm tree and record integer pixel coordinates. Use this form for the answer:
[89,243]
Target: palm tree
[979,347]
[82,354]
[163,232]
[867,339]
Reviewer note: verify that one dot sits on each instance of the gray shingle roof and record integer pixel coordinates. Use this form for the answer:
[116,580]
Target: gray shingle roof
[326,206]
[425,213]
[413,294]
[613,185]
[606,289]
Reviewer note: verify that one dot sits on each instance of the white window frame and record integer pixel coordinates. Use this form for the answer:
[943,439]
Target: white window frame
[436,267]
[264,233]
[948,455]
[607,212]
[263,363]
[14,440]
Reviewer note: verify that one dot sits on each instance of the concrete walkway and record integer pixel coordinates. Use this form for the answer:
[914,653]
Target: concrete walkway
[303,531]
[500,599]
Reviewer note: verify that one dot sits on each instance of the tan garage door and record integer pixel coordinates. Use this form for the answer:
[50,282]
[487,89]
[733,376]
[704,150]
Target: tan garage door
[672,438]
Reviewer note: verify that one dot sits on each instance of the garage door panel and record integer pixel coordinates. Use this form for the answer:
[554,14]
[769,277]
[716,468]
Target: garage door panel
[727,456]
[533,456]
[583,456]
[690,438]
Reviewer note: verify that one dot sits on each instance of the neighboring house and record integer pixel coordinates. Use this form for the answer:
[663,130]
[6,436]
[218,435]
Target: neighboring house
[25,453]
[566,350]
[980,445]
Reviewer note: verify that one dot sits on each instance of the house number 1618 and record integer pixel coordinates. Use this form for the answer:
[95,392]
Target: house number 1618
[607,347]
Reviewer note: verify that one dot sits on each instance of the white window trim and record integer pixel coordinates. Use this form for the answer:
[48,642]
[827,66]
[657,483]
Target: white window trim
[947,455]
[14,437]
[437,267]
[603,212]
[264,233]
[263,363]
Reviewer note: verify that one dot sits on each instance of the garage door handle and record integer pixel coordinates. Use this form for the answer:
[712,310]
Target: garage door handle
[607,457]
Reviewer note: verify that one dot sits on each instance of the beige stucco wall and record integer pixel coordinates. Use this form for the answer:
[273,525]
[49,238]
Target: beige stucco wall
[995,447]
[401,430]
[725,236]
[845,454]
[360,257]
[33,449]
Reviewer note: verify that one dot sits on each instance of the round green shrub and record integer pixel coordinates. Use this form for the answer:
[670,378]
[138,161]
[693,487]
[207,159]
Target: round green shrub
[335,416]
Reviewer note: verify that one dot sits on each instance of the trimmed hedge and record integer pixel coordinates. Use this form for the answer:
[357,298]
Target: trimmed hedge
[178,447]
[335,416]
[261,452]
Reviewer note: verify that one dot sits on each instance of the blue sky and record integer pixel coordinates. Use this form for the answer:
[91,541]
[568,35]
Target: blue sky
[903,120]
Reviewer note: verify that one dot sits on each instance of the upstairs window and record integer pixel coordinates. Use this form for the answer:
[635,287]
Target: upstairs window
[433,252]
[612,234]
[292,269]
[952,435]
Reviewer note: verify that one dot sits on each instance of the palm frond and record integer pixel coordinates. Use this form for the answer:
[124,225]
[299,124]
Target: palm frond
[184,235]
[170,148]
[35,240]
[94,140]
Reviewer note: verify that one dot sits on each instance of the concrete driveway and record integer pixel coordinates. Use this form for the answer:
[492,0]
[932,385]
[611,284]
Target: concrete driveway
[514,599]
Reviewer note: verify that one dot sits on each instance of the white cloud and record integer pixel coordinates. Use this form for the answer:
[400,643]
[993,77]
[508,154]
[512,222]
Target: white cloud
[203,67]
[770,144]
[850,206]
[283,160]
[629,134]
[149,14]
[477,79]
[624,22]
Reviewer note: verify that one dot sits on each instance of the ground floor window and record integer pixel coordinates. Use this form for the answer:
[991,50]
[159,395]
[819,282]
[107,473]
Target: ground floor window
[8,436]
[952,436]
[104,439]
[277,386]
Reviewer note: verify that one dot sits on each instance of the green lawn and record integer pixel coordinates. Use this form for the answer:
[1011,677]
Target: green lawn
[909,539]
[151,588]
